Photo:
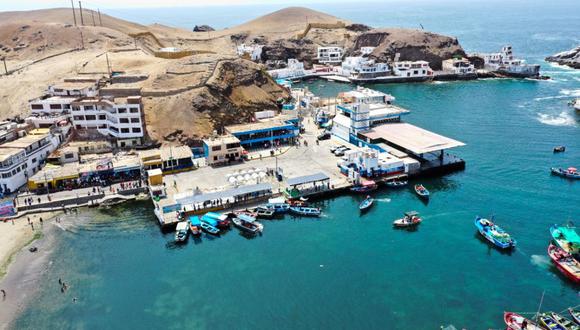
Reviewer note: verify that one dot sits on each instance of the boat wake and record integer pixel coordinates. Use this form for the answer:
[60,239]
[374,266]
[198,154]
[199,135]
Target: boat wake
[562,119]
[384,200]
[540,261]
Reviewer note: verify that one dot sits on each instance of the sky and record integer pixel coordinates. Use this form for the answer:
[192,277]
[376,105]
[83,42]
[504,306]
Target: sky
[6,5]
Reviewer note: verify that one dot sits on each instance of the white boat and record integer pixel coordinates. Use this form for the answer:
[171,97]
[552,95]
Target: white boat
[181,232]
[247,224]
[575,104]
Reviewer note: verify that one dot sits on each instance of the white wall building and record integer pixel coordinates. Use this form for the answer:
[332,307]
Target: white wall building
[330,55]
[358,67]
[366,51]
[412,69]
[460,66]
[22,158]
[253,51]
[294,69]
[504,61]
[120,119]
[222,149]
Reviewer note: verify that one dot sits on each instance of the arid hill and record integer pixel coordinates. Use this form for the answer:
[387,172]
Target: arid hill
[186,99]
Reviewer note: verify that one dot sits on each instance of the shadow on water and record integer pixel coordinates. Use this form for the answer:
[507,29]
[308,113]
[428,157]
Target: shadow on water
[491,247]
[247,235]
[411,229]
[197,240]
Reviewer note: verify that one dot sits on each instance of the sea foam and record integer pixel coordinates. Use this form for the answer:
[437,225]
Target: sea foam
[562,119]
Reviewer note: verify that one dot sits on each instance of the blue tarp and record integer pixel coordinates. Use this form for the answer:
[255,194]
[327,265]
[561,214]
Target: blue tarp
[209,220]
[194,219]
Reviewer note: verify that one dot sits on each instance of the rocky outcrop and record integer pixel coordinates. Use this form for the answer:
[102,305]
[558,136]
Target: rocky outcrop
[411,45]
[203,28]
[569,58]
[281,50]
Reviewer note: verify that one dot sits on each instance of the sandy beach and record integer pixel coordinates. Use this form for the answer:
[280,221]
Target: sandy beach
[20,269]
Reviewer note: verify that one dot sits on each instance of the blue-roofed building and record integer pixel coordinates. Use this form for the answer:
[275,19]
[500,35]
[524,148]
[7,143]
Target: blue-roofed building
[278,130]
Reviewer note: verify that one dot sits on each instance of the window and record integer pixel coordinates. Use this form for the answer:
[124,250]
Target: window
[415,71]
[216,148]
[76,108]
[55,107]
[135,120]
[232,145]
[91,117]
[34,160]
[89,107]
[124,120]
[36,107]
[69,156]
[102,117]
[136,130]
[66,106]
[124,130]
[214,157]
[134,110]
[121,110]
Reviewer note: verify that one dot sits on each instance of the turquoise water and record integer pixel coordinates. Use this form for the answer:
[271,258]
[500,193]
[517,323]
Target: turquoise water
[348,271]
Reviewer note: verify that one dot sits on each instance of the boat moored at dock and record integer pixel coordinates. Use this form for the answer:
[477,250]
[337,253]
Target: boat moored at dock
[422,192]
[396,183]
[575,314]
[221,220]
[494,234]
[246,223]
[305,211]
[209,225]
[181,232]
[566,323]
[548,322]
[566,238]
[565,263]
[364,187]
[515,321]
[195,225]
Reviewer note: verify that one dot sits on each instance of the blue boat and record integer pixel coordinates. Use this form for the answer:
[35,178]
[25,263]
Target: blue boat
[422,191]
[209,225]
[194,225]
[306,211]
[570,173]
[366,204]
[278,207]
[494,233]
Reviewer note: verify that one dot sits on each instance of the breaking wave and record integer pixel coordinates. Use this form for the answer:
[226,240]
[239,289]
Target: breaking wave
[564,93]
[562,119]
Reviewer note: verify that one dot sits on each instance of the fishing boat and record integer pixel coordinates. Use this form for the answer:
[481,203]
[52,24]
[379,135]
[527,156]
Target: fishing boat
[246,224]
[494,233]
[569,173]
[565,263]
[396,183]
[566,323]
[262,212]
[181,232]
[575,315]
[278,205]
[209,225]
[514,321]
[305,211]
[566,238]
[559,149]
[194,225]
[222,221]
[549,323]
[422,191]
[366,204]
[409,219]
[364,187]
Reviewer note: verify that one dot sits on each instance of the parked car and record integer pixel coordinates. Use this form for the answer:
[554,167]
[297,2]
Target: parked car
[324,136]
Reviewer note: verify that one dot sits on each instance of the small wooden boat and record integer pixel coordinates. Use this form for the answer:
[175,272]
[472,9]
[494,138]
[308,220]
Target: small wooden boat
[514,322]
[306,211]
[575,315]
[208,228]
[246,224]
[366,204]
[278,208]
[181,232]
[565,263]
[559,149]
[221,221]
[409,219]
[396,183]
[422,191]
[566,238]
[494,234]
[262,212]
[194,225]
[566,323]
[364,187]
[549,323]
[569,173]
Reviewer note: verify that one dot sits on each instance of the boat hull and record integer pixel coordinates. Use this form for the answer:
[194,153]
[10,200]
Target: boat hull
[514,322]
[490,238]
[565,263]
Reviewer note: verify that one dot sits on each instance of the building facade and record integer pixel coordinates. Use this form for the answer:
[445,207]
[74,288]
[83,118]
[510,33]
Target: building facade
[222,150]
[330,55]
[412,69]
[459,66]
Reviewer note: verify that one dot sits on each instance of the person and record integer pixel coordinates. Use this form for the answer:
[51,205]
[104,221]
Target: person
[59,281]
[524,324]
[3,294]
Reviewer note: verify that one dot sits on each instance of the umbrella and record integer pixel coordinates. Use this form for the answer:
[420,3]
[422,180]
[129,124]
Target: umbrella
[243,172]
[247,177]
[240,178]
[262,174]
[255,175]
[232,180]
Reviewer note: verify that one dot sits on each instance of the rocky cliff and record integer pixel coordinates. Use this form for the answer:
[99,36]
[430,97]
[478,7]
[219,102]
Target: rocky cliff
[570,58]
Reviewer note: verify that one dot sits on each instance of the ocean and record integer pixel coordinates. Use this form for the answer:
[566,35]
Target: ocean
[347,271]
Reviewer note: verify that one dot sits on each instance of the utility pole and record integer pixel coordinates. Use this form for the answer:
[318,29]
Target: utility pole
[81,11]
[72,5]
[5,67]
[82,40]
[93,17]
[108,64]
[100,21]
[135,42]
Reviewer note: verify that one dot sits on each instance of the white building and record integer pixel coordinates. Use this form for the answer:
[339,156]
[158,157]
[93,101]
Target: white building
[305,98]
[22,158]
[412,69]
[120,119]
[365,95]
[505,62]
[294,70]
[459,66]
[370,162]
[366,51]
[358,67]
[222,149]
[253,51]
[330,55]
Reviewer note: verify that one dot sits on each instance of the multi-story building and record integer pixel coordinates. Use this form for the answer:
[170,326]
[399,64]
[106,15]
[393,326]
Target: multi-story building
[22,158]
[412,69]
[359,67]
[459,66]
[254,52]
[222,149]
[294,69]
[330,55]
[120,119]
[505,62]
